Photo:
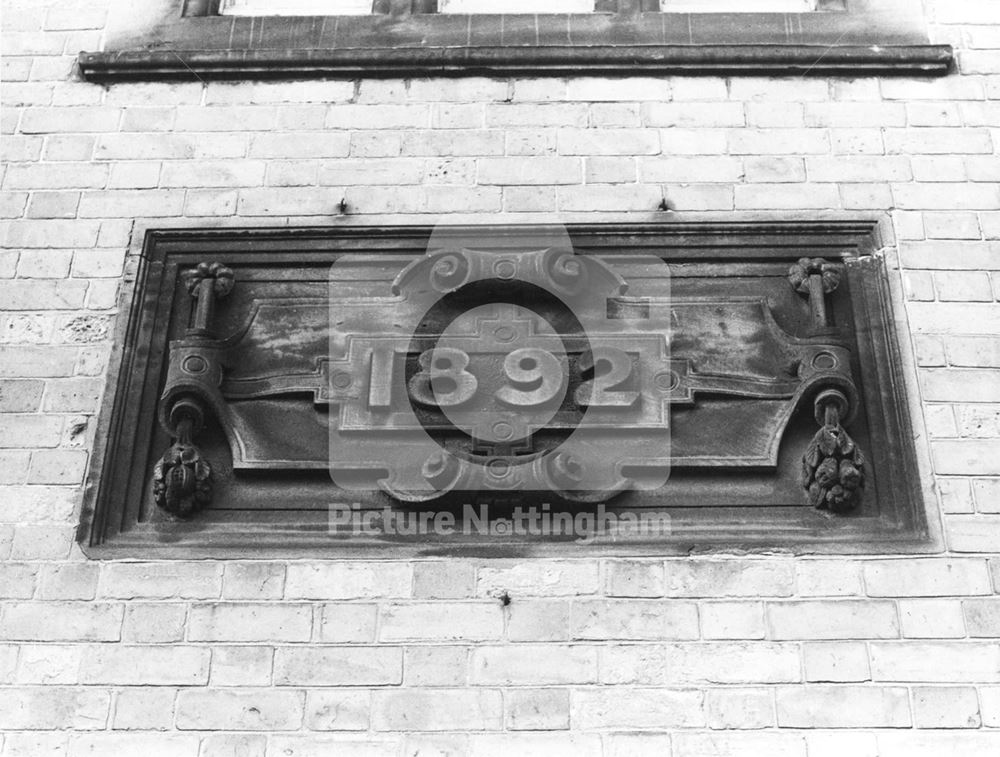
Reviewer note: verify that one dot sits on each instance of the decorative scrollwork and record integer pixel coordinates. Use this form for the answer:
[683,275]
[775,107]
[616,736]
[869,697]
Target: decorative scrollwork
[833,467]
[440,470]
[450,271]
[566,270]
[565,470]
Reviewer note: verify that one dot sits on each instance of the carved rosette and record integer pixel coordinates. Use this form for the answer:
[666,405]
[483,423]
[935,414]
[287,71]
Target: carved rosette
[804,268]
[221,278]
[833,467]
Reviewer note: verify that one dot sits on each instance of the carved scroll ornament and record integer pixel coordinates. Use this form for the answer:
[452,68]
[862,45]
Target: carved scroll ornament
[833,465]
[182,478]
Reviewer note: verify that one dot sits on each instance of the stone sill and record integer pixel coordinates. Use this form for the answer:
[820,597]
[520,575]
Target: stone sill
[874,39]
[774,60]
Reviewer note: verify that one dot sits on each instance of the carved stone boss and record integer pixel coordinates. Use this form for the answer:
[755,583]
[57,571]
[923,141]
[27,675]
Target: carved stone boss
[523,408]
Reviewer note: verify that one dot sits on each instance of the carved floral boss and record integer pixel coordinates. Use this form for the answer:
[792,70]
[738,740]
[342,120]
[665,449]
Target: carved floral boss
[501,373]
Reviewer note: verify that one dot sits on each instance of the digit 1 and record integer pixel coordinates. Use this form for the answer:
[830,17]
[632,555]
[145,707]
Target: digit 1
[380,378]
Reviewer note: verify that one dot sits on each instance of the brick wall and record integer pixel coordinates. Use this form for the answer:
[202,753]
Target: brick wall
[715,655]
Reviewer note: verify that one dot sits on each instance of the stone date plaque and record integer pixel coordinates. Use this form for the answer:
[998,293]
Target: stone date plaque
[637,389]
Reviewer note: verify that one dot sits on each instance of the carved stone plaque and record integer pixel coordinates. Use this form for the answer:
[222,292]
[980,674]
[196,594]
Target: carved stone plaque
[728,384]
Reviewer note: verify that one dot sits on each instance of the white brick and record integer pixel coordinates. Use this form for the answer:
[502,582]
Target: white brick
[546,170]
[52,707]
[443,580]
[711,662]
[926,577]
[250,622]
[787,196]
[145,709]
[982,617]
[977,533]
[828,578]
[835,661]
[823,743]
[473,142]
[49,664]
[735,708]
[739,744]
[537,710]
[774,169]
[436,665]
[778,141]
[338,666]
[207,173]
[253,580]
[302,145]
[378,117]
[691,169]
[146,666]
[625,619]
[317,745]
[348,622]
[729,578]
[618,89]
[687,114]
[542,114]
[440,621]
[81,119]
[634,578]
[637,708]
[609,170]
[938,661]
[843,707]
[437,710]
[533,665]
[172,146]
[348,580]
[925,743]
[932,141]
[855,115]
[61,621]
[161,580]
[241,666]
[609,198]
[946,707]
[608,142]
[320,91]
[245,710]
[843,619]
[337,711]
[547,578]
[858,169]
[732,620]
[538,620]
[966,456]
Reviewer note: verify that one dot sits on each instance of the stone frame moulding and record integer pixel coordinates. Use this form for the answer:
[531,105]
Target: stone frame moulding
[187,39]
[183,341]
